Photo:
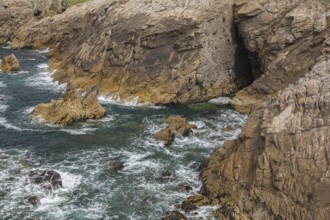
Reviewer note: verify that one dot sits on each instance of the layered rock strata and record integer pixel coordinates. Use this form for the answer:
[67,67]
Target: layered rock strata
[284,39]
[10,64]
[163,52]
[278,168]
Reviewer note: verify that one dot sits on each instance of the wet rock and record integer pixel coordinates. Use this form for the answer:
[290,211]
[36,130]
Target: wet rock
[166,174]
[176,124]
[220,101]
[10,64]
[73,107]
[175,215]
[166,135]
[47,179]
[182,187]
[180,125]
[34,200]
[116,165]
[2,194]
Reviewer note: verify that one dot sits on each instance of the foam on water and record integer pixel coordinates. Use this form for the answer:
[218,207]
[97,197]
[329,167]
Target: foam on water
[44,81]
[2,85]
[81,131]
[132,103]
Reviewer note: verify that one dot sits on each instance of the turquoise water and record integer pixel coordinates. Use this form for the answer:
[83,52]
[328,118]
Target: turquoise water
[83,153]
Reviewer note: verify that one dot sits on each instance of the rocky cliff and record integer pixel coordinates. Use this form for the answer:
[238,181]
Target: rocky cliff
[278,168]
[163,52]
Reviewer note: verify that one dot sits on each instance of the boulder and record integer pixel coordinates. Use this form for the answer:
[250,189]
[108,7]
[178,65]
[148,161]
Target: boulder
[10,64]
[73,107]
[34,200]
[175,215]
[116,165]
[166,135]
[176,124]
[47,179]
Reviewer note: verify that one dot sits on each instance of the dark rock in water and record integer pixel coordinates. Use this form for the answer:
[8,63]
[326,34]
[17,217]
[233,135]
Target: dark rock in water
[188,206]
[166,135]
[2,194]
[166,174]
[182,187]
[33,200]
[10,64]
[116,165]
[48,179]
[193,202]
[175,215]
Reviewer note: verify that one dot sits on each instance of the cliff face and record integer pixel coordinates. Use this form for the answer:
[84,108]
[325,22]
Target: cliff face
[164,52]
[284,39]
[279,166]
[17,13]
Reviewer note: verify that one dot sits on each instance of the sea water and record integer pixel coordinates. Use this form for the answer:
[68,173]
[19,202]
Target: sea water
[83,153]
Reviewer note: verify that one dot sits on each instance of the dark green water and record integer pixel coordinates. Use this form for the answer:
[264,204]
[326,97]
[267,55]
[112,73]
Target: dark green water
[82,154]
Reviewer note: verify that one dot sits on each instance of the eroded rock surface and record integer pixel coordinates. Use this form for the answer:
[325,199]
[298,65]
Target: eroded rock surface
[47,179]
[278,168]
[10,64]
[164,52]
[176,125]
[284,39]
[75,106]
[17,13]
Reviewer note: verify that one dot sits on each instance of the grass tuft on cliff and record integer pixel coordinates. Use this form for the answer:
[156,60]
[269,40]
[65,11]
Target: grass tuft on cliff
[69,3]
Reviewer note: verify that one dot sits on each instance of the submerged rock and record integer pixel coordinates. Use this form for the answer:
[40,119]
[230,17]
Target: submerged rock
[175,215]
[34,200]
[176,124]
[47,179]
[182,187]
[10,64]
[73,107]
[116,165]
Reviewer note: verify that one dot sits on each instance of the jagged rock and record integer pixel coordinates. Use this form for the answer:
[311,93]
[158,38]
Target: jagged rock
[176,124]
[284,41]
[34,200]
[175,215]
[278,168]
[180,125]
[163,52]
[166,135]
[17,13]
[182,187]
[73,107]
[47,179]
[10,64]
[116,165]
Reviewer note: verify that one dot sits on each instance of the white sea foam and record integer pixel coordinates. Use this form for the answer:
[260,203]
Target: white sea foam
[81,131]
[7,125]
[43,51]
[43,66]
[44,81]
[131,103]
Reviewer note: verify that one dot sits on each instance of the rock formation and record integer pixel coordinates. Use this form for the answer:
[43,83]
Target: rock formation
[176,125]
[73,107]
[164,52]
[278,168]
[47,179]
[284,39]
[17,13]
[10,64]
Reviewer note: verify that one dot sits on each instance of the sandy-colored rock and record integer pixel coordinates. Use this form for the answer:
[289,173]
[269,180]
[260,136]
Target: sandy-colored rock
[278,168]
[17,13]
[284,39]
[180,125]
[73,107]
[166,135]
[163,52]
[10,64]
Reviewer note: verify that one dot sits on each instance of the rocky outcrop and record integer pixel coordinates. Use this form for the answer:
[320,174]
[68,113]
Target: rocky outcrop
[284,39]
[164,52]
[10,64]
[278,168]
[47,179]
[75,106]
[176,125]
[17,13]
